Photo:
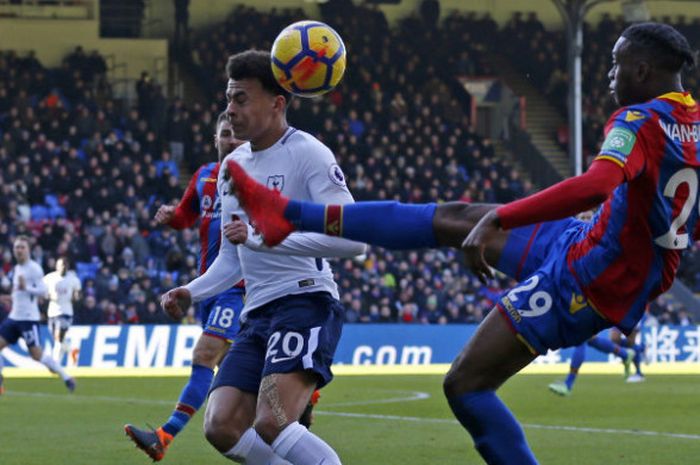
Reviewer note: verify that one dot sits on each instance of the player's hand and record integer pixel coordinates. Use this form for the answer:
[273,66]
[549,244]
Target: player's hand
[236,231]
[475,245]
[175,302]
[21,283]
[165,214]
[6,299]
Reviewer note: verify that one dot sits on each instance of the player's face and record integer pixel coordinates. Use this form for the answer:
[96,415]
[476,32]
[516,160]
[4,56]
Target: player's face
[61,266]
[21,250]
[224,140]
[252,111]
[624,75]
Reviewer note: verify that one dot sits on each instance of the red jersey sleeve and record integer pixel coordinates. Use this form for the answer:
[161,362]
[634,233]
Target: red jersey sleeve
[187,211]
[627,136]
[563,199]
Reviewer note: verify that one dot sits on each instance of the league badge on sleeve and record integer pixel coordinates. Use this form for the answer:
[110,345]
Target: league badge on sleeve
[336,175]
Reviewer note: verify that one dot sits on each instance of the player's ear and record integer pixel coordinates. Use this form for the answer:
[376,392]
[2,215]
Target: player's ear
[643,71]
[280,103]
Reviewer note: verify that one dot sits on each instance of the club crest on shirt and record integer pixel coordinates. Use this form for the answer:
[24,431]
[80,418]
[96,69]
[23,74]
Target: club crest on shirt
[206,202]
[276,182]
[336,175]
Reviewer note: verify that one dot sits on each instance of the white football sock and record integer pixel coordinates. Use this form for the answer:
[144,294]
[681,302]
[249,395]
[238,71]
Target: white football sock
[301,447]
[252,450]
[51,364]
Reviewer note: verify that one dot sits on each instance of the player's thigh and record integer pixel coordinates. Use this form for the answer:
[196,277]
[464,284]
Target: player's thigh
[209,350]
[230,411]
[243,364]
[282,399]
[491,356]
[224,313]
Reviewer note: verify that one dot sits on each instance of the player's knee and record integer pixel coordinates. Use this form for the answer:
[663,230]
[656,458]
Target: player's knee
[460,380]
[221,431]
[206,356]
[269,427]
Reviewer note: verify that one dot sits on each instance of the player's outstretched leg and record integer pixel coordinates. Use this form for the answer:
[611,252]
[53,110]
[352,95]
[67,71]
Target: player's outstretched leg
[564,388]
[392,225]
[205,356]
[607,346]
[493,355]
[48,361]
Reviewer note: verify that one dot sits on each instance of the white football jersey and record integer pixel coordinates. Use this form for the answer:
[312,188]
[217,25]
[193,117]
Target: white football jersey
[61,290]
[24,302]
[302,168]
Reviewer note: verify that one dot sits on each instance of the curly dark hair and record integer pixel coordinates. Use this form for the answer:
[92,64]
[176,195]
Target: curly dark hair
[662,44]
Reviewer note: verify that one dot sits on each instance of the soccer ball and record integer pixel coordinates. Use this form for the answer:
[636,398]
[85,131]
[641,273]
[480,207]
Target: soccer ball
[308,58]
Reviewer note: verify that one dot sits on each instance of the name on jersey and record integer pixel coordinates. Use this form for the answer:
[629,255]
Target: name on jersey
[682,132]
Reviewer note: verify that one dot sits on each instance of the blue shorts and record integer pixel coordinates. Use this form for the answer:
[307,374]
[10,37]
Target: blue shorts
[11,330]
[527,247]
[62,322]
[293,333]
[220,314]
[547,310]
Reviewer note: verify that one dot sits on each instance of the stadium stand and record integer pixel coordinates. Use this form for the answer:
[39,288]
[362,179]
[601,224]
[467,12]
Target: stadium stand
[85,171]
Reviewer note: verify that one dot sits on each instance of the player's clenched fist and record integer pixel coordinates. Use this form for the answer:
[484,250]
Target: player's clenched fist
[236,231]
[165,214]
[176,302]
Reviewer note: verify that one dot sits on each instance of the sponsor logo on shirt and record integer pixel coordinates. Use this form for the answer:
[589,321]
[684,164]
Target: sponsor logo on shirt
[306,283]
[578,302]
[514,314]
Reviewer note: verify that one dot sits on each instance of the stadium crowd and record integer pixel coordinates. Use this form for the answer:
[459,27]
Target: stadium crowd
[84,173]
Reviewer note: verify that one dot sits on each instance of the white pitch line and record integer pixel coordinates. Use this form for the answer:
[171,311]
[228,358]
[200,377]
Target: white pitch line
[576,429]
[414,395]
[372,416]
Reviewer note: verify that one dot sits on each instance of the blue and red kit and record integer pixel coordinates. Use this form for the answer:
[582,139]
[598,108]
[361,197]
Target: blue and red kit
[646,177]
[219,314]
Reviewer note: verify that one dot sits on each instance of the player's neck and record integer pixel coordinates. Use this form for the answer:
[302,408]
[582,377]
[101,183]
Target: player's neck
[673,84]
[269,139]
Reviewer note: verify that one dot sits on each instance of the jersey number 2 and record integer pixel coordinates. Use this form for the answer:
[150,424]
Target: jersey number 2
[671,239]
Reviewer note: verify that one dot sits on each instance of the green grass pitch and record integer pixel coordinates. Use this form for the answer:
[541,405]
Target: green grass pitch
[387,420]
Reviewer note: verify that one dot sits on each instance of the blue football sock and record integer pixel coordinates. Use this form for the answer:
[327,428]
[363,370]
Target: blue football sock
[638,353]
[392,225]
[191,399]
[577,359]
[497,434]
[607,346]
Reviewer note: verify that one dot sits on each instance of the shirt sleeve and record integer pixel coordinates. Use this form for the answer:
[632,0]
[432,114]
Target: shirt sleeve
[222,275]
[325,179]
[306,244]
[627,135]
[187,211]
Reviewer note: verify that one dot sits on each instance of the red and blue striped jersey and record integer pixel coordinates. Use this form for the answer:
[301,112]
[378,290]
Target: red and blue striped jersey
[201,200]
[629,254]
